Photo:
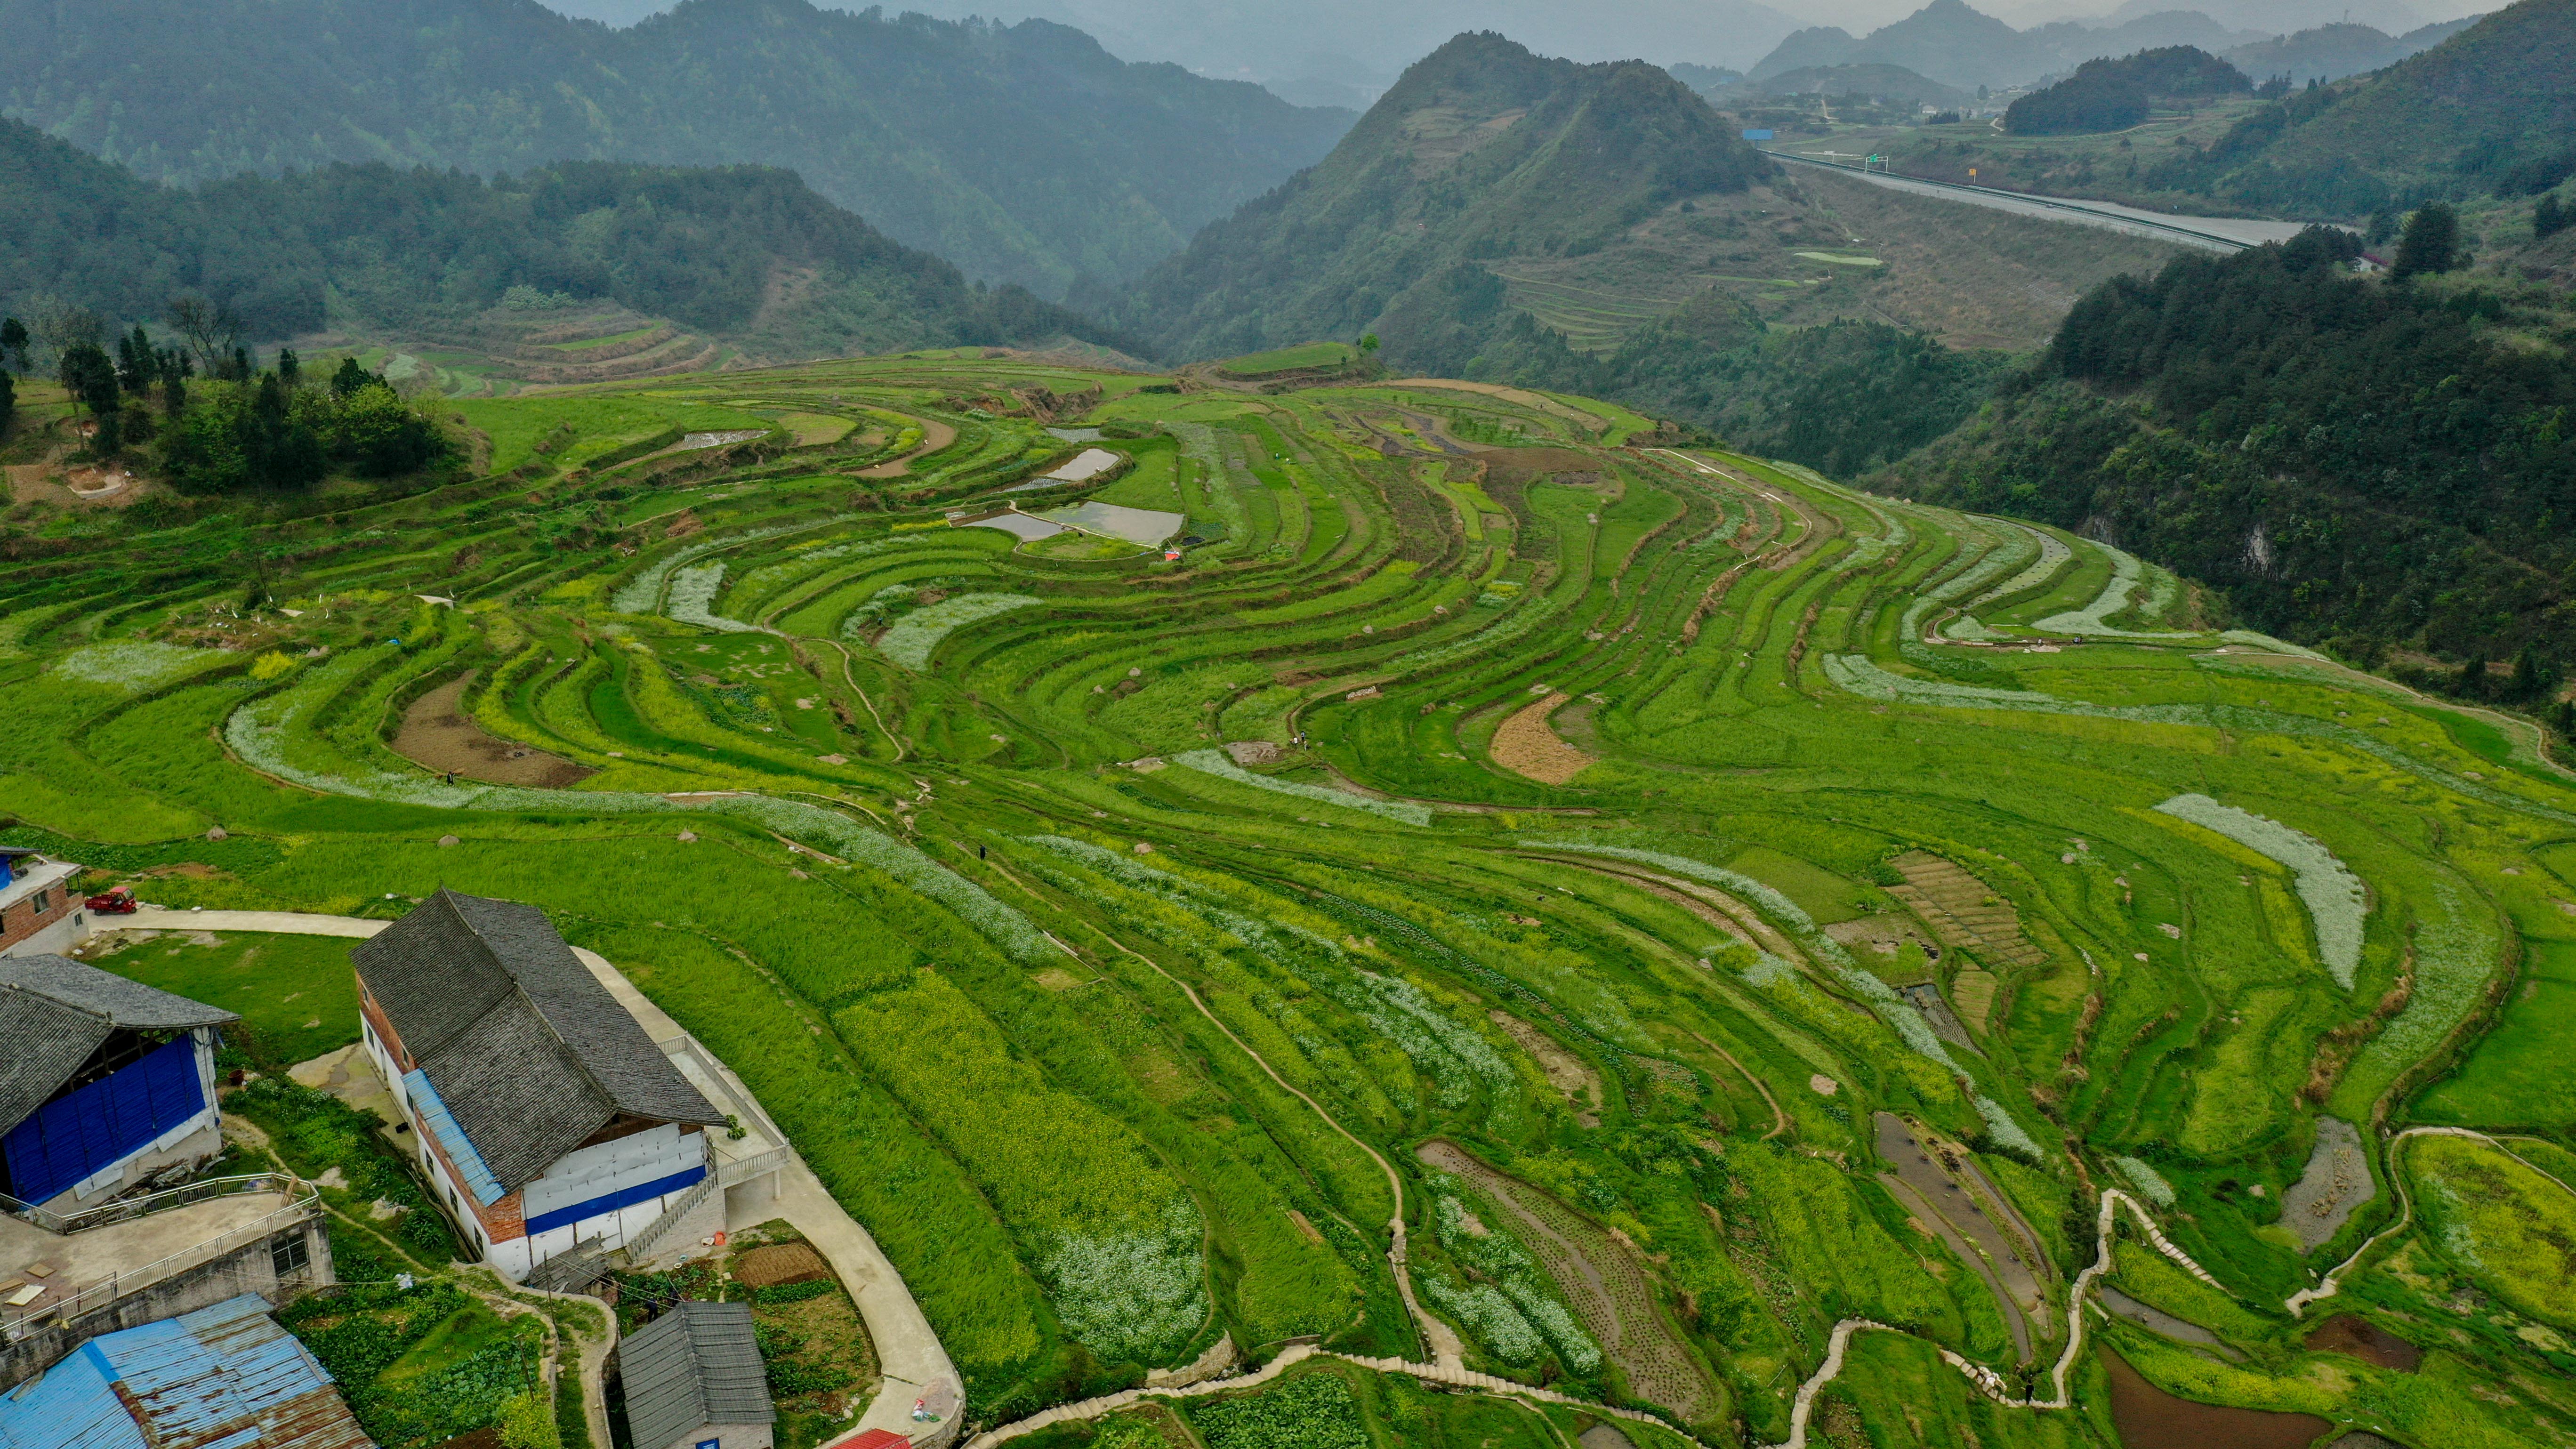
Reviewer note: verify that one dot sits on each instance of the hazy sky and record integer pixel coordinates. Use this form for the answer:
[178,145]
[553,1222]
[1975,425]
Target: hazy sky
[1365,43]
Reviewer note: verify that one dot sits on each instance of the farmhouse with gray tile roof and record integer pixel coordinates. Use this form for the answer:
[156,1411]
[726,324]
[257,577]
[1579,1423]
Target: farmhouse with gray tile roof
[548,1116]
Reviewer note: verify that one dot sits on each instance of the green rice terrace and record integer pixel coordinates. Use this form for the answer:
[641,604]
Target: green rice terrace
[1419,880]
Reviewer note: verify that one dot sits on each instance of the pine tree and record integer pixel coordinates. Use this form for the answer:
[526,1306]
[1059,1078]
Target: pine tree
[2431,242]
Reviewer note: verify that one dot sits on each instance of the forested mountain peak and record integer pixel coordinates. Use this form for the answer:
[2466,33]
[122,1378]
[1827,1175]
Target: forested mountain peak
[1481,152]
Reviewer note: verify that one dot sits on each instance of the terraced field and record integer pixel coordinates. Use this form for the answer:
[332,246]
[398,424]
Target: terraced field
[1136,943]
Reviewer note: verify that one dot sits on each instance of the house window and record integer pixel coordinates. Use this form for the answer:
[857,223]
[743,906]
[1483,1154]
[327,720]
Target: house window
[289,1255]
[41,902]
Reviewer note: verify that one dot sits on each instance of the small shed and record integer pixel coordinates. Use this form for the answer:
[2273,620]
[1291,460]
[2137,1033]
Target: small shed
[695,1380]
[103,1081]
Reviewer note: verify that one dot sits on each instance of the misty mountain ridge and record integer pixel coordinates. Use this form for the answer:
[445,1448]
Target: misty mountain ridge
[1953,43]
[1025,153]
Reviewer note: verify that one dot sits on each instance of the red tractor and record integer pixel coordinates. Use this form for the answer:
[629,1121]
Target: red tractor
[117,902]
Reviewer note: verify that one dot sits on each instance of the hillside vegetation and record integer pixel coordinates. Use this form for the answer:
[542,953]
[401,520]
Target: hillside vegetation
[1024,153]
[1598,913]
[2367,464]
[747,253]
[1597,229]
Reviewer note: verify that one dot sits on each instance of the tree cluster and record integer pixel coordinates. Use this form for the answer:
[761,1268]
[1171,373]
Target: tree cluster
[2355,461]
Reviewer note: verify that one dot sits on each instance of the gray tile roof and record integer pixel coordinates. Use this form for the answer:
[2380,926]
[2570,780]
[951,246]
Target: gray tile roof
[54,1012]
[695,1365]
[529,1052]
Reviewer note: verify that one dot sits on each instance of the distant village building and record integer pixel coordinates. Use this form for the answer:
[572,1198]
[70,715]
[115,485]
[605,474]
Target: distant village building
[223,1377]
[38,912]
[694,1380]
[104,1082]
[546,1117]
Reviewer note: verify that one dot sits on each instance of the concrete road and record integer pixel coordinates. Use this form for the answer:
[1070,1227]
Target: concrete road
[2211,233]
[907,1347]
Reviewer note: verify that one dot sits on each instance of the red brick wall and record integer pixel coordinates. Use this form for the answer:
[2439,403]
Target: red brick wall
[502,1221]
[22,920]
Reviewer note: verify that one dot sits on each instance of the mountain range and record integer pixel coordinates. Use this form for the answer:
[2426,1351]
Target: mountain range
[747,254]
[1951,43]
[1023,153]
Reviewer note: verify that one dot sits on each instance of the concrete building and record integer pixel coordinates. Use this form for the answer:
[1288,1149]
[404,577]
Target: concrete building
[221,1377]
[694,1380]
[39,915]
[545,1116]
[104,1082]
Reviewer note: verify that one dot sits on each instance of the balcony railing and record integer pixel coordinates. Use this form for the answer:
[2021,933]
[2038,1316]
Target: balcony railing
[303,1202]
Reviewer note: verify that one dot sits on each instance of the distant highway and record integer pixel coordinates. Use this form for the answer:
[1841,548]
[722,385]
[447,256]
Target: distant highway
[2212,233]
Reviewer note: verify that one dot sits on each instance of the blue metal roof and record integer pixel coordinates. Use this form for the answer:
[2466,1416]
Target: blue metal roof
[225,1377]
[459,1147]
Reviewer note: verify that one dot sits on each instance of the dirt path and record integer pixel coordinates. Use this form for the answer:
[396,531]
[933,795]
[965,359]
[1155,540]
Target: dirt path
[1989,1382]
[2331,1284]
[1446,1349]
[1527,747]
[1608,1288]
[935,435]
[439,736]
[1588,421]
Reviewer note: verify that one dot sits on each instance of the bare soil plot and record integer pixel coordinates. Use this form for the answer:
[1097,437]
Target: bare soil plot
[1964,1208]
[1962,911]
[1610,1291]
[437,735]
[1526,746]
[935,435]
[2337,1181]
[1568,1073]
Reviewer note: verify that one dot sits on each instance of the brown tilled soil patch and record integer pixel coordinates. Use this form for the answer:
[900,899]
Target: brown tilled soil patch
[935,435]
[437,735]
[1565,1071]
[1610,1290]
[1961,910]
[780,1263]
[1526,746]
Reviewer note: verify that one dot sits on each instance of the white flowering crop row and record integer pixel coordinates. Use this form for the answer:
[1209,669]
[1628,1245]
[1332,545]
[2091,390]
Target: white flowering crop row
[1137,1295]
[2333,895]
[133,665]
[2094,619]
[693,593]
[2148,1180]
[2053,554]
[642,594]
[913,637]
[263,731]
[1217,763]
[1497,1256]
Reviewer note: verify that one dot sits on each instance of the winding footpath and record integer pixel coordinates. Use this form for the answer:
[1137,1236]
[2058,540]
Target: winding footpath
[2297,1303]
[1448,1352]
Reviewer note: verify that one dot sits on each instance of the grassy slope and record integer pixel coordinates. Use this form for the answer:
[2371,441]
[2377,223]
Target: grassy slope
[1744,640]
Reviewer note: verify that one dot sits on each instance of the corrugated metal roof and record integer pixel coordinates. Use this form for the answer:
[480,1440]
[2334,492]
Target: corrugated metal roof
[530,1053]
[696,1365]
[224,1377]
[459,1147]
